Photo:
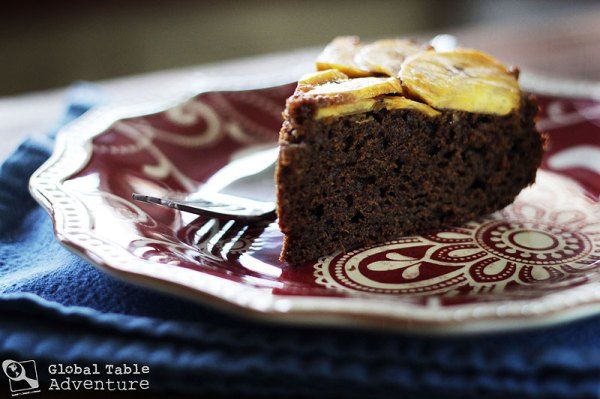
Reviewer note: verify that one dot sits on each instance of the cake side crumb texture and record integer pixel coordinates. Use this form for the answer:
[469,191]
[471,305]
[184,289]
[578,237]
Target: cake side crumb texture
[397,164]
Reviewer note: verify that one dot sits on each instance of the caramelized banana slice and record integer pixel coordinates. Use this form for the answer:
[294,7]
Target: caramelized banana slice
[462,79]
[337,110]
[386,56]
[320,77]
[339,54]
[369,104]
[358,88]
[396,102]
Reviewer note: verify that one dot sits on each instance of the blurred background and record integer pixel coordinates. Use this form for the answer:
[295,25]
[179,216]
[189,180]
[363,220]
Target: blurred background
[51,44]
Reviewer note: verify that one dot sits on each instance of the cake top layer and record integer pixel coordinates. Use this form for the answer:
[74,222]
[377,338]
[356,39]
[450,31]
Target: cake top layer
[350,73]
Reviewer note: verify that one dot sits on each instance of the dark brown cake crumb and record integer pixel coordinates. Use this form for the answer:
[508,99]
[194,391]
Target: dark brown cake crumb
[356,180]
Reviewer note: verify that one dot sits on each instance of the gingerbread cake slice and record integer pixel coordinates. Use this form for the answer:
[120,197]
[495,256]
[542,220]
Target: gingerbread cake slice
[392,138]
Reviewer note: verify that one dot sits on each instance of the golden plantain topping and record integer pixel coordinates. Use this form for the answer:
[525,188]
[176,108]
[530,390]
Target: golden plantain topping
[369,104]
[386,56]
[359,88]
[395,102]
[339,54]
[463,79]
[320,77]
[356,107]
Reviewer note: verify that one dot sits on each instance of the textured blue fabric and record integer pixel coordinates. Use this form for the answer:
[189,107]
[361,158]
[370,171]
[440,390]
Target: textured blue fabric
[55,307]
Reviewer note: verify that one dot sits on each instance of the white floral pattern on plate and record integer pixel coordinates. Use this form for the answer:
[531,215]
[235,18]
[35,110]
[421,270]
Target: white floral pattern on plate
[534,263]
[548,237]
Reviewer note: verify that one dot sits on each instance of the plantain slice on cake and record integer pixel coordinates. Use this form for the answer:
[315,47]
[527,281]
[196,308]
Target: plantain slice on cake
[393,138]
[466,80]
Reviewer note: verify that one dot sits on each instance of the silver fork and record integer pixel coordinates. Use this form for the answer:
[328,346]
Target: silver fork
[243,189]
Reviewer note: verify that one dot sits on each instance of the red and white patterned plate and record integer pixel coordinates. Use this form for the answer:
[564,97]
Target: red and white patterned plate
[536,262]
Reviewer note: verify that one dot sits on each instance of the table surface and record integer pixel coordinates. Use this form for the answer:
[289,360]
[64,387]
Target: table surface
[566,47]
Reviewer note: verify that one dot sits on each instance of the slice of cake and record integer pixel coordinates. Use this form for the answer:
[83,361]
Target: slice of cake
[393,138]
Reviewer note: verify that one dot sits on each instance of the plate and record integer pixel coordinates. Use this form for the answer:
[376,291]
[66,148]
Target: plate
[536,262]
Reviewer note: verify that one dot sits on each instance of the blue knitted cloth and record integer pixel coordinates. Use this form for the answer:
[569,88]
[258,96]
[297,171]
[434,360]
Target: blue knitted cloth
[57,308]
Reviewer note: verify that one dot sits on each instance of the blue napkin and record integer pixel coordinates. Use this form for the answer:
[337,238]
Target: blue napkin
[57,308]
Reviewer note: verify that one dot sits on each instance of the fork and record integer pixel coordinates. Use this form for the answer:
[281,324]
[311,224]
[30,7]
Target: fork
[243,189]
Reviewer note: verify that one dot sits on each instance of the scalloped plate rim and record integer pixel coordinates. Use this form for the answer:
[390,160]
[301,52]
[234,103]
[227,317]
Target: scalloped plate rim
[247,301]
